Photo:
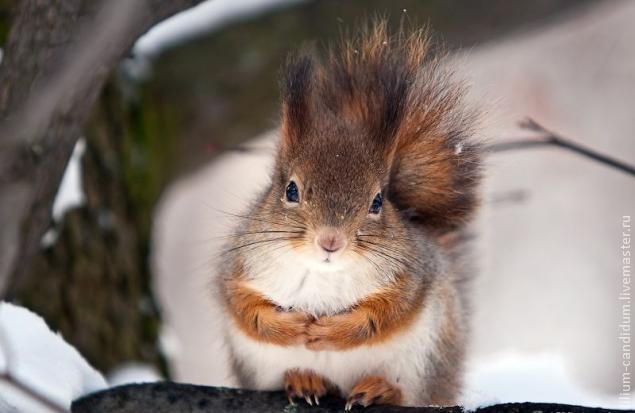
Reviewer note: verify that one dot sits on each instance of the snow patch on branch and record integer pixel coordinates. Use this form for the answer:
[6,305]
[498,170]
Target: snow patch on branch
[204,18]
[70,193]
[133,373]
[39,359]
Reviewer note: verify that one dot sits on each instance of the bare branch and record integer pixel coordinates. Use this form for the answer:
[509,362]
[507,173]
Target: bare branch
[549,138]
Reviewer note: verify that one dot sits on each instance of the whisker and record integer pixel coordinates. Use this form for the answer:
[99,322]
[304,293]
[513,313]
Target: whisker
[406,227]
[238,235]
[252,218]
[373,263]
[258,242]
[386,246]
[388,238]
[391,260]
[279,255]
[242,234]
[384,251]
[270,222]
[286,215]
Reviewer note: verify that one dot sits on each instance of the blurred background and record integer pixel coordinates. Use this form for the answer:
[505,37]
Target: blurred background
[184,127]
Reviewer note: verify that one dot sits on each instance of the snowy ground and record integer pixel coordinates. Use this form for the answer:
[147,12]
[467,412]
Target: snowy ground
[546,308]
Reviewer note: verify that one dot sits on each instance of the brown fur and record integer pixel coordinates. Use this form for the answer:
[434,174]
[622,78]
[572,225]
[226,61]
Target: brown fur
[391,90]
[372,321]
[262,320]
[307,384]
[374,390]
[378,114]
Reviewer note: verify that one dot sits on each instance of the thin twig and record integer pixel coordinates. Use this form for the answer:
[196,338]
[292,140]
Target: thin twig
[248,149]
[546,138]
[549,138]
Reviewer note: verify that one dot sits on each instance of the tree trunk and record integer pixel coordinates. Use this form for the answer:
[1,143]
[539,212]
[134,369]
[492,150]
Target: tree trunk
[96,284]
[93,284]
[57,58]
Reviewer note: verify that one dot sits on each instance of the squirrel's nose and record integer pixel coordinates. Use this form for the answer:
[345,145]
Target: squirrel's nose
[330,241]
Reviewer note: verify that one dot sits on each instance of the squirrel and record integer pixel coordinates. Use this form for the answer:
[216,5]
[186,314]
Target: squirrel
[347,274]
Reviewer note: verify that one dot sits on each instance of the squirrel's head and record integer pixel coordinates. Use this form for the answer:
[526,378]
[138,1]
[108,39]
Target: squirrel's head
[334,182]
[373,137]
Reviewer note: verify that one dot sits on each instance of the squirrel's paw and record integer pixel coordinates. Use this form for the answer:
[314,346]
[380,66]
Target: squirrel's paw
[320,334]
[333,333]
[306,384]
[338,332]
[373,390]
[290,327]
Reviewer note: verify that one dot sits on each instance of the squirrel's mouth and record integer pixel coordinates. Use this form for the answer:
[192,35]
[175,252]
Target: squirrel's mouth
[324,261]
[327,257]
[329,243]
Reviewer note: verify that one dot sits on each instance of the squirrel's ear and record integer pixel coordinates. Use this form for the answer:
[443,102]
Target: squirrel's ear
[296,84]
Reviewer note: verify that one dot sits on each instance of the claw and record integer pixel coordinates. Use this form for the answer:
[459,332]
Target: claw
[317,399]
[308,400]
[353,400]
[291,402]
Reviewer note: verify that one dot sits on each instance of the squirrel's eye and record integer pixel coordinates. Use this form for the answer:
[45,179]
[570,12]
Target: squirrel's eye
[293,195]
[375,207]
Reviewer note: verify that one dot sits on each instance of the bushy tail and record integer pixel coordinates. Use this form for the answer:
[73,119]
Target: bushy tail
[408,100]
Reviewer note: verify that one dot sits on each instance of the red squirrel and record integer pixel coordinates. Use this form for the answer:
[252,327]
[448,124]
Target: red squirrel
[346,274]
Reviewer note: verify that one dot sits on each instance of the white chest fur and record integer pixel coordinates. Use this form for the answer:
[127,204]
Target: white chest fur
[401,360]
[293,281]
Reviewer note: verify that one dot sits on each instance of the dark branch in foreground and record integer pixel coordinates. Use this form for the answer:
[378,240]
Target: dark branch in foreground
[549,138]
[170,397]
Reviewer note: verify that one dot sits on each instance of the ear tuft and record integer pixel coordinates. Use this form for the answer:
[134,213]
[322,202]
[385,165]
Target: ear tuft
[296,85]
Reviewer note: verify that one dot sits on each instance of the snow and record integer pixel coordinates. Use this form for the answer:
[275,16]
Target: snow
[514,377]
[70,194]
[133,373]
[205,17]
[49,238]
[40,359]
[169,342]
